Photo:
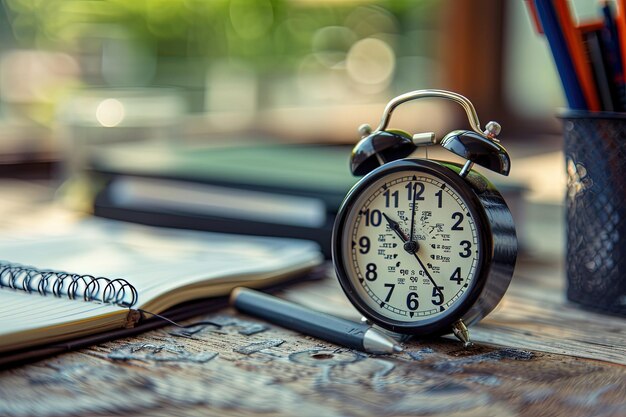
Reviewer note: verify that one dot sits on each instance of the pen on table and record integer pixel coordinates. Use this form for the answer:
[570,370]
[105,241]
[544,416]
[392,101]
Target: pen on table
[350,334]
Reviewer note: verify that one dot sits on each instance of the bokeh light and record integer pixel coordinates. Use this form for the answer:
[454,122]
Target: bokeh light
[371,61]
[251,19]
[331,44]
[110,112]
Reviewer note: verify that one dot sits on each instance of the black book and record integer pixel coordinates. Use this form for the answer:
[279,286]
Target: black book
[292,191]
[268,190]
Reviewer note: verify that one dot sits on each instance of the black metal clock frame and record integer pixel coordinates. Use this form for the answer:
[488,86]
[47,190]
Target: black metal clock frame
[497,247]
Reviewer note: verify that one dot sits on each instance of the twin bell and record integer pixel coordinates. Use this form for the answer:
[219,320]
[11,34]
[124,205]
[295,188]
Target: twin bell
[384,145]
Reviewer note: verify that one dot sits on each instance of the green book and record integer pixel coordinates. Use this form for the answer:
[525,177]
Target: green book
[315,171]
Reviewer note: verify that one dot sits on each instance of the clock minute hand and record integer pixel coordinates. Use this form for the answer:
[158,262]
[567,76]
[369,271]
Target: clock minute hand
[413,215]
[428,275]
[395,226]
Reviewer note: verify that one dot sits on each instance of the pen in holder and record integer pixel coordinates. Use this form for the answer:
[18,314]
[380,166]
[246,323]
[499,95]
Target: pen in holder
[595,158]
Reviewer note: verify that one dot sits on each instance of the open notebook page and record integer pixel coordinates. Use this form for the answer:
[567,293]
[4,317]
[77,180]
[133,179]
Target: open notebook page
[20,311]
[155,261]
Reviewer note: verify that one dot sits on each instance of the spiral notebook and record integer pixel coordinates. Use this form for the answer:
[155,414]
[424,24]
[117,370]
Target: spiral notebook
[100,275]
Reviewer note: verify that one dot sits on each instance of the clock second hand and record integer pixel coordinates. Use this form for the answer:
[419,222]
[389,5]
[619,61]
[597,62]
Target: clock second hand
[428,275]
[395,226]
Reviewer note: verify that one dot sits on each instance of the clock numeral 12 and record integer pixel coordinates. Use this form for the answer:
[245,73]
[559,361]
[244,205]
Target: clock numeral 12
[412,188]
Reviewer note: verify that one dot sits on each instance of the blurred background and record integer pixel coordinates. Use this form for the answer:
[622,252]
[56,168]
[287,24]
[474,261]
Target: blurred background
[295,70]
[158,88]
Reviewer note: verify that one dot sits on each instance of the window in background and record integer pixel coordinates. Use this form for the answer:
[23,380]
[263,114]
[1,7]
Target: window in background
[532,88]
[294,69]
[239,60]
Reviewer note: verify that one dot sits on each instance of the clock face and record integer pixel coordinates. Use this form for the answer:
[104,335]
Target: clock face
[410,246]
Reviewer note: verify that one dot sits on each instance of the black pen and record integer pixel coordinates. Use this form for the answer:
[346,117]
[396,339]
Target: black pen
[350,334]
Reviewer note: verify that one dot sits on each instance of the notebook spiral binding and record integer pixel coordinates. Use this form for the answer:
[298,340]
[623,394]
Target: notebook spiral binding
[66,284]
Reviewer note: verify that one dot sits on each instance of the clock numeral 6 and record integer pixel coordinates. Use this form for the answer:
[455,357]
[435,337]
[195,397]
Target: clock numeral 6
[411,301]
[467,249]
[364,243]
[373,217]
[371,273]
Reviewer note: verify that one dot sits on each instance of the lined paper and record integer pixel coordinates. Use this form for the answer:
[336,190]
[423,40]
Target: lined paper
[155,261]
[20,311]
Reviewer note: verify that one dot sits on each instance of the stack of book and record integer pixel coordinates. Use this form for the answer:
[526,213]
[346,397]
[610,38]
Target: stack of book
[278,190]
[266,190]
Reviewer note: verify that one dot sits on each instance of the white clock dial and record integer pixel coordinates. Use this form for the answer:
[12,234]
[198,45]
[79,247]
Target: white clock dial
[403,274]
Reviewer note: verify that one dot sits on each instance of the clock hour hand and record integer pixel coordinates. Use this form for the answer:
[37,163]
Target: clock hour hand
[395,226]
[410,245]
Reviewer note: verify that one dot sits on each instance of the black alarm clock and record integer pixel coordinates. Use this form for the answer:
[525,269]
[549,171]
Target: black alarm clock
[425,247]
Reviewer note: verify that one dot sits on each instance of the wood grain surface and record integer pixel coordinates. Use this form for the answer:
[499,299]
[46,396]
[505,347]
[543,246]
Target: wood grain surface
[535,356]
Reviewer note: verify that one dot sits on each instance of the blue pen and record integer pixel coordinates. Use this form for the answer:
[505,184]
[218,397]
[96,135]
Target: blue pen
[549,21]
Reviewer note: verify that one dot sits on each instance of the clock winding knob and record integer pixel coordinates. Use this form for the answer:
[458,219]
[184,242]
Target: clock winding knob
[492,130]
[364,130]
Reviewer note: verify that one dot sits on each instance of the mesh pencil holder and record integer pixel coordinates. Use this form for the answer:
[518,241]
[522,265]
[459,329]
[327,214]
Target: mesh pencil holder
[595,158]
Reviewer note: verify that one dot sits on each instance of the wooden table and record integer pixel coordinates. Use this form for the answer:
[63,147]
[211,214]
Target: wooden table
[536,355]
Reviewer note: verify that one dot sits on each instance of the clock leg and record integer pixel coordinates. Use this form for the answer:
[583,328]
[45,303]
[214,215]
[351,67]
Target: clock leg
[460,331]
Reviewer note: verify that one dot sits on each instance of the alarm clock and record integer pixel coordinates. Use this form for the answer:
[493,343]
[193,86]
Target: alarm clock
[425,247]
